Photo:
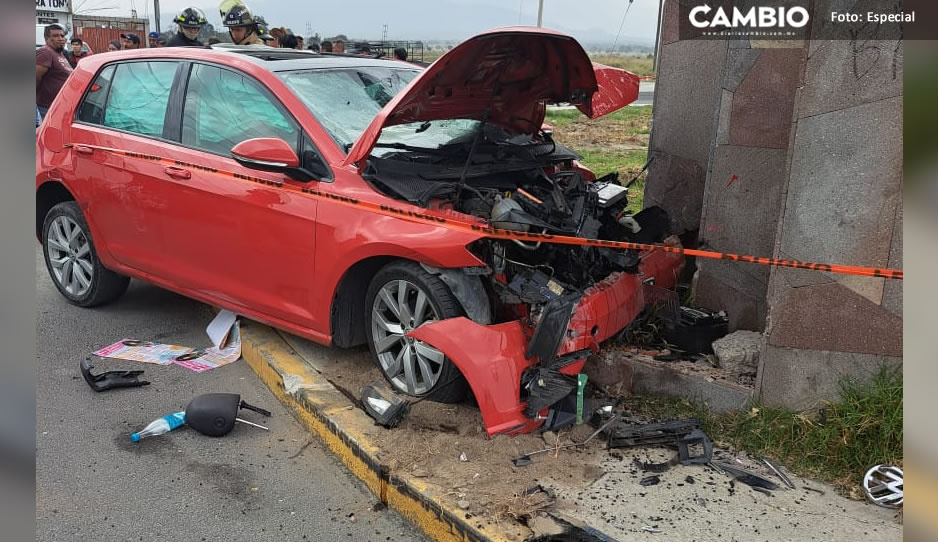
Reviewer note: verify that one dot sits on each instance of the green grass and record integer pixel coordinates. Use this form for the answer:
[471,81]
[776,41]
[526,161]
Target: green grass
[639,65]
[639,115]
[835,443]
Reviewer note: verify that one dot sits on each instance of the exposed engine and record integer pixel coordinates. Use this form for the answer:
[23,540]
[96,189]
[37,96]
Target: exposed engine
[528,187]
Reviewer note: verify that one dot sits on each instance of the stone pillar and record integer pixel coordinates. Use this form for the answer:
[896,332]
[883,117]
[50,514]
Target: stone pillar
[842,204]
[687,96]
[747,174]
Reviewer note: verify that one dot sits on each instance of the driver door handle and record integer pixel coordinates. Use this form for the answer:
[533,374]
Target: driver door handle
[178,173]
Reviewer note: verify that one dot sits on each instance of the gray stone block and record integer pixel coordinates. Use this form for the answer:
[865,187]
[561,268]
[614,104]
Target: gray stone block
[676,185]
[796,278]
[844,73]
[801,379]
[738,64]
[744,195]
[845,185]
[726,111]
[739,351]
[743,300]
[719,396]
[687,98]
[608,371]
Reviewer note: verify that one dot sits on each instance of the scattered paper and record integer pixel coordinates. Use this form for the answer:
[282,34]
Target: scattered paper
[147,352]
[224,331]
[212,357]
[220,326]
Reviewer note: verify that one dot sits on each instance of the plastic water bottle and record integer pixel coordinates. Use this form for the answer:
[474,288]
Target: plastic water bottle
[159,426]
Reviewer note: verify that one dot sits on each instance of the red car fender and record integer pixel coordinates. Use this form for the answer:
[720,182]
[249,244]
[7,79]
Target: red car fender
[492,360]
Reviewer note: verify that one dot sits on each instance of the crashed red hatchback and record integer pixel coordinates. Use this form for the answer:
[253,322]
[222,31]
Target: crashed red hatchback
[283,185]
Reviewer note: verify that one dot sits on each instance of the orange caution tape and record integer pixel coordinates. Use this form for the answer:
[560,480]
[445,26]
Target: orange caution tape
[499,233]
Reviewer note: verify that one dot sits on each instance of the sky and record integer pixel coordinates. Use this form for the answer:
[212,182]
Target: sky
[590,21]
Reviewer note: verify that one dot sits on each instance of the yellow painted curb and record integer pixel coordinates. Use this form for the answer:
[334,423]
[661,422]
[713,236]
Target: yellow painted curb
[329,415]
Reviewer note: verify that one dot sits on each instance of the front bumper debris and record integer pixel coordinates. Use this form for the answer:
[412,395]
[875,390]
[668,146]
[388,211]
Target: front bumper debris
[493,357]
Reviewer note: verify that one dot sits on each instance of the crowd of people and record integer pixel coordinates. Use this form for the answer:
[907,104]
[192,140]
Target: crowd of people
[54,62]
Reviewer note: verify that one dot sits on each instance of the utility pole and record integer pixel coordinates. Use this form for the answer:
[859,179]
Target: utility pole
[654,58]
[156,14]
[384,35]
[540,12]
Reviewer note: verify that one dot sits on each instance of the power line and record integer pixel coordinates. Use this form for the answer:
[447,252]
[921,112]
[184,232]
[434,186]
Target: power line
[615,43]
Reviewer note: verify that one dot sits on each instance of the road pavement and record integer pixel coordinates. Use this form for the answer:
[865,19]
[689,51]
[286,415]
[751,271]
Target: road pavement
[93,483]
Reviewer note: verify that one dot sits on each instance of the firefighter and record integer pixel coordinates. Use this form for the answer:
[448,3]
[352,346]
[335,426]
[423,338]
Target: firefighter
[190,22]
[241,25]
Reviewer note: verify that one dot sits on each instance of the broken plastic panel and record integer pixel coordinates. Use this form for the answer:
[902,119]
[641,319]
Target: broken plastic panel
[546,387]
[385,406]
[689,443]
[110,379]
[623,434]
[552,328]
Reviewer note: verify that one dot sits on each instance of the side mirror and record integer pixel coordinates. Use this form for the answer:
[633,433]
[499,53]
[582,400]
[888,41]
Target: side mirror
[274,154]
[266,154]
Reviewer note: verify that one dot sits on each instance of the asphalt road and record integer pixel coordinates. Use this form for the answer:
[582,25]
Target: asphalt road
[646,93]
[93,483]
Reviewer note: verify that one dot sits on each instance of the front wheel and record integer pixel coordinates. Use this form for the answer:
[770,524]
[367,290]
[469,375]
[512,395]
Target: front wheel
[402,297]
[72,261]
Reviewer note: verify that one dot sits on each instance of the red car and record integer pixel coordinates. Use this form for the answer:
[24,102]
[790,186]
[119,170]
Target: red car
[352,200]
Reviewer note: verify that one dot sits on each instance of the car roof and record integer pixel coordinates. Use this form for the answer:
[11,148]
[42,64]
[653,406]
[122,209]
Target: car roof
[267,58]
[280,60]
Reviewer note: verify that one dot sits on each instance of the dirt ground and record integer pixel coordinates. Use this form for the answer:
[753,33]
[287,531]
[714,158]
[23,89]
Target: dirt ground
[599,487]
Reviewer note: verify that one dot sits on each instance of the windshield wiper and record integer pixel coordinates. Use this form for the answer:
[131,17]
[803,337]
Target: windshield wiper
[405,147]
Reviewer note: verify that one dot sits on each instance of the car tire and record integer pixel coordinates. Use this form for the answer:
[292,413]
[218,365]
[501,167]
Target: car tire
[72,260]
[393,352]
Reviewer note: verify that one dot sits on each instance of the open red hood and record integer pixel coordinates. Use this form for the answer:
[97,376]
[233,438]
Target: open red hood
[513,72]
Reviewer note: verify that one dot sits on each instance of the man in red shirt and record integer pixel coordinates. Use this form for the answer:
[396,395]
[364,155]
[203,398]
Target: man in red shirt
[52,68]
[78,52]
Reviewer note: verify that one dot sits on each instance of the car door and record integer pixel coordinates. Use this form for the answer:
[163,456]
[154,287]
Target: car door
[234,239]
[124,110]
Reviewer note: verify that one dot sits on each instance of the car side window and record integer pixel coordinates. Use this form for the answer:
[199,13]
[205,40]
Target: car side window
[223,108]
[138,97]
[91,109]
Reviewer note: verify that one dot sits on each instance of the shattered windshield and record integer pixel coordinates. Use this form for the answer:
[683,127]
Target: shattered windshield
[346,100]
[426,135]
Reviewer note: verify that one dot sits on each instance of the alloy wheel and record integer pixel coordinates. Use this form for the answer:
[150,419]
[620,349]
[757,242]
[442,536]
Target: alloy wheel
[412,366]
[69,252]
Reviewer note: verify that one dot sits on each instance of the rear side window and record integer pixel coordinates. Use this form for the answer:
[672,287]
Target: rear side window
[138,97]
[224,108]
[91,109]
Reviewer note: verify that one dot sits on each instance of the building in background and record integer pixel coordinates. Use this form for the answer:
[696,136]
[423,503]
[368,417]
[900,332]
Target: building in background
[52,12]
[97,31]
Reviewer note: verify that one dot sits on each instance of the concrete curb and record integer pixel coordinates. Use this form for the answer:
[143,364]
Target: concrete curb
[331,416]
[718,396]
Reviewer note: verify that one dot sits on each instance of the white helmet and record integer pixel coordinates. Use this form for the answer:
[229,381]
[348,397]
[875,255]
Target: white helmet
[883,485]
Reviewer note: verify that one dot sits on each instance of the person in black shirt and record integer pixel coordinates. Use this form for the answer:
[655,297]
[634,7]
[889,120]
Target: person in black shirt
[190,23]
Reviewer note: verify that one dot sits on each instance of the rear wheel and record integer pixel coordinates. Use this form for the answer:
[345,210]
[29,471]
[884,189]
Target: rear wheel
[72,261]
[402,297]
